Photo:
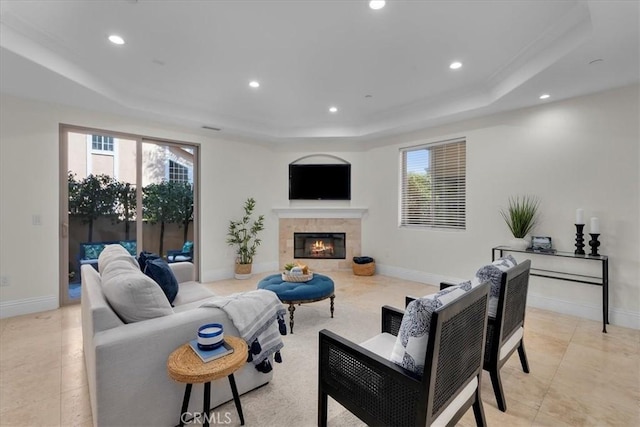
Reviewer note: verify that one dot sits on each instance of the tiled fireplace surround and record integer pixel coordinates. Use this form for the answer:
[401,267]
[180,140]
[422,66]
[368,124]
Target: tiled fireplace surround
[292,220]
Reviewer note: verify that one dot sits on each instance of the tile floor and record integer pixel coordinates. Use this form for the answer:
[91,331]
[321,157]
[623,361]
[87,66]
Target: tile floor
[580,376]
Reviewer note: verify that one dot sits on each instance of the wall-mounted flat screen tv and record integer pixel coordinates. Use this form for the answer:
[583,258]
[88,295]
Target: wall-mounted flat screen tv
[320,182]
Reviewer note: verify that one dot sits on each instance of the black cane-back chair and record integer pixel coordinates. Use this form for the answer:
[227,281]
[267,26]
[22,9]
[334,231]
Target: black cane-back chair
[505,329]
[380,392]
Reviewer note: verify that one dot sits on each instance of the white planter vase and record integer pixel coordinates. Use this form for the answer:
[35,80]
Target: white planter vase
[520,244]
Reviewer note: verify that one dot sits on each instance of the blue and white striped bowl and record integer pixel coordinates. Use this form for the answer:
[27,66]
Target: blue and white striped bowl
[210,336]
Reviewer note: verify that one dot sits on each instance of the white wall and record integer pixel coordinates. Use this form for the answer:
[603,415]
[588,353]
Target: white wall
[580,153]
[577,153]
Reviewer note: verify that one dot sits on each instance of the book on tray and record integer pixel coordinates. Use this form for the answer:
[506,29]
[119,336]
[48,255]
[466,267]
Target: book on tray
[209,355]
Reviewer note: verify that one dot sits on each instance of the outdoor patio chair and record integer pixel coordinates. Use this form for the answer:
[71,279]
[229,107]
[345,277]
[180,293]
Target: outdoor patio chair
[181,255]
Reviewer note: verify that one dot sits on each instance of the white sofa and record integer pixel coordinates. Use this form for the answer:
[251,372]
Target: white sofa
[126,362]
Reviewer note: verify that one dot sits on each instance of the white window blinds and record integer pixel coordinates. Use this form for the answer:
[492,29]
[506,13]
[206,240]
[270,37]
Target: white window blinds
[434,185]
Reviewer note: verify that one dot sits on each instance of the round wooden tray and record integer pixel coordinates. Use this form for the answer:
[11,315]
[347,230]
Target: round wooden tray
[304,278]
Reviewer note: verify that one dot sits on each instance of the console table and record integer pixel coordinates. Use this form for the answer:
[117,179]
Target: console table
[602,280]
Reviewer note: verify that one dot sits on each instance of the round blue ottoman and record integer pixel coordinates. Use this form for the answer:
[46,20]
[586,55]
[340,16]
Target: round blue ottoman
[320,287]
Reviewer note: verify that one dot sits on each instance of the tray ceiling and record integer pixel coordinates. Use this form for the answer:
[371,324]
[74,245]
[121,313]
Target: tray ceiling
[386,71]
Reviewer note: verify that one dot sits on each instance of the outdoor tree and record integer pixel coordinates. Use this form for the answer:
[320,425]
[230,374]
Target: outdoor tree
[91,198]
[162,204]
[125,208]
[184,206]
[419,186]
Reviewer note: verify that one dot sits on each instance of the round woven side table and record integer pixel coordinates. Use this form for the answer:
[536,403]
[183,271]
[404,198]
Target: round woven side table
[185,366]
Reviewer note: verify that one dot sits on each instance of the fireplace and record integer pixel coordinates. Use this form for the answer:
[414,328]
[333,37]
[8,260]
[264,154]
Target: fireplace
[319,245]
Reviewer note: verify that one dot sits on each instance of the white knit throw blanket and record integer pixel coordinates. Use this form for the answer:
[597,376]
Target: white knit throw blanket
[259,317]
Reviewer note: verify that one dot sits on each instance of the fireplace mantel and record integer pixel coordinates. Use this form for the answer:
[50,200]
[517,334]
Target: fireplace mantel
[320,212]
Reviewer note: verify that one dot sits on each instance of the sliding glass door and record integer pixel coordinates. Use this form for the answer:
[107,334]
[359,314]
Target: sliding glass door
[127,190]
[168,199]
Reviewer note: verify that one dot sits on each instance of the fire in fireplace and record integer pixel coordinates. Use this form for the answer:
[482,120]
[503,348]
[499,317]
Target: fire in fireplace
[319,245]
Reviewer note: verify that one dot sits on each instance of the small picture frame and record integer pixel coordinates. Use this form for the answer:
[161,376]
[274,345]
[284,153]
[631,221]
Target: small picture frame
[541,244]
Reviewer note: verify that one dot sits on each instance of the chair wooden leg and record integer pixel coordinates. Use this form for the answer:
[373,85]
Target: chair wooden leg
[523,357]
[322,409]
[478,411]
[497,389]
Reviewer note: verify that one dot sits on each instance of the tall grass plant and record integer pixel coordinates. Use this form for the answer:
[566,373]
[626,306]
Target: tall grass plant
[521,215]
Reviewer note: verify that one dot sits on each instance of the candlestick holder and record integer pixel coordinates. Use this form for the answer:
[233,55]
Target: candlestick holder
[594,244]
[579,239]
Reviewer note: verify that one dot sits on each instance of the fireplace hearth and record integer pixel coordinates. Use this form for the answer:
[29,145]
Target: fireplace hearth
[319,245]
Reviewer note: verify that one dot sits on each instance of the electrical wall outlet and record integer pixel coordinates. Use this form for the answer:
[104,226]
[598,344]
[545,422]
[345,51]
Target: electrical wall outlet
[36,219]
[4,280]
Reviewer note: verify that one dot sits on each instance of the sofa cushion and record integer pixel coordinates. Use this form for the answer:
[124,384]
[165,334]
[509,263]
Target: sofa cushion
[132,295]
[410,346]
[493,273]
[189,292]
[381,344]
[114,252]
[161,273]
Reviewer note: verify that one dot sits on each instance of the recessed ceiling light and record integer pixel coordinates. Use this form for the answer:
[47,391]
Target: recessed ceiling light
[455,65]
[254,84]
[544,96]
[116,39]
[377,4]
[333,109]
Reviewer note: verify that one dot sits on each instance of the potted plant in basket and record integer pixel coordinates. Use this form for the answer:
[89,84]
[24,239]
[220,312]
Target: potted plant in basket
[243,234]
[521,216]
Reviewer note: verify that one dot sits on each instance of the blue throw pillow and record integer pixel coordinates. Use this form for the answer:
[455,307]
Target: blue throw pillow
[161,273]
[144,257]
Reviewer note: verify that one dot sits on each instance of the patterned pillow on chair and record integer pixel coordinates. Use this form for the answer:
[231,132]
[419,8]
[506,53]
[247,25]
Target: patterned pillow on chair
[410,347]
[493,273]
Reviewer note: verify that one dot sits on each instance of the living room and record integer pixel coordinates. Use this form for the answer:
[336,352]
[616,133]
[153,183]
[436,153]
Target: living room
[560,157]
[579,152]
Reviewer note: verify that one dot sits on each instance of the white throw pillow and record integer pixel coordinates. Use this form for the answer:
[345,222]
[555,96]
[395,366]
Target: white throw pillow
[114,252]
[133,295]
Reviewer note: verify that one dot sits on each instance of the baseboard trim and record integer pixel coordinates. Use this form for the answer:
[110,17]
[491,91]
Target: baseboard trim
[625,318]
[229,273]
[27,306]
[619,317]
[415,276]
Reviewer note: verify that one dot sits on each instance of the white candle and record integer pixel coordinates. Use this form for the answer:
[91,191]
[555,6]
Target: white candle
[210,330]
[595,226]
[579,216]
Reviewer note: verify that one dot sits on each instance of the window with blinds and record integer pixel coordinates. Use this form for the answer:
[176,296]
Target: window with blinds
[434,185]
